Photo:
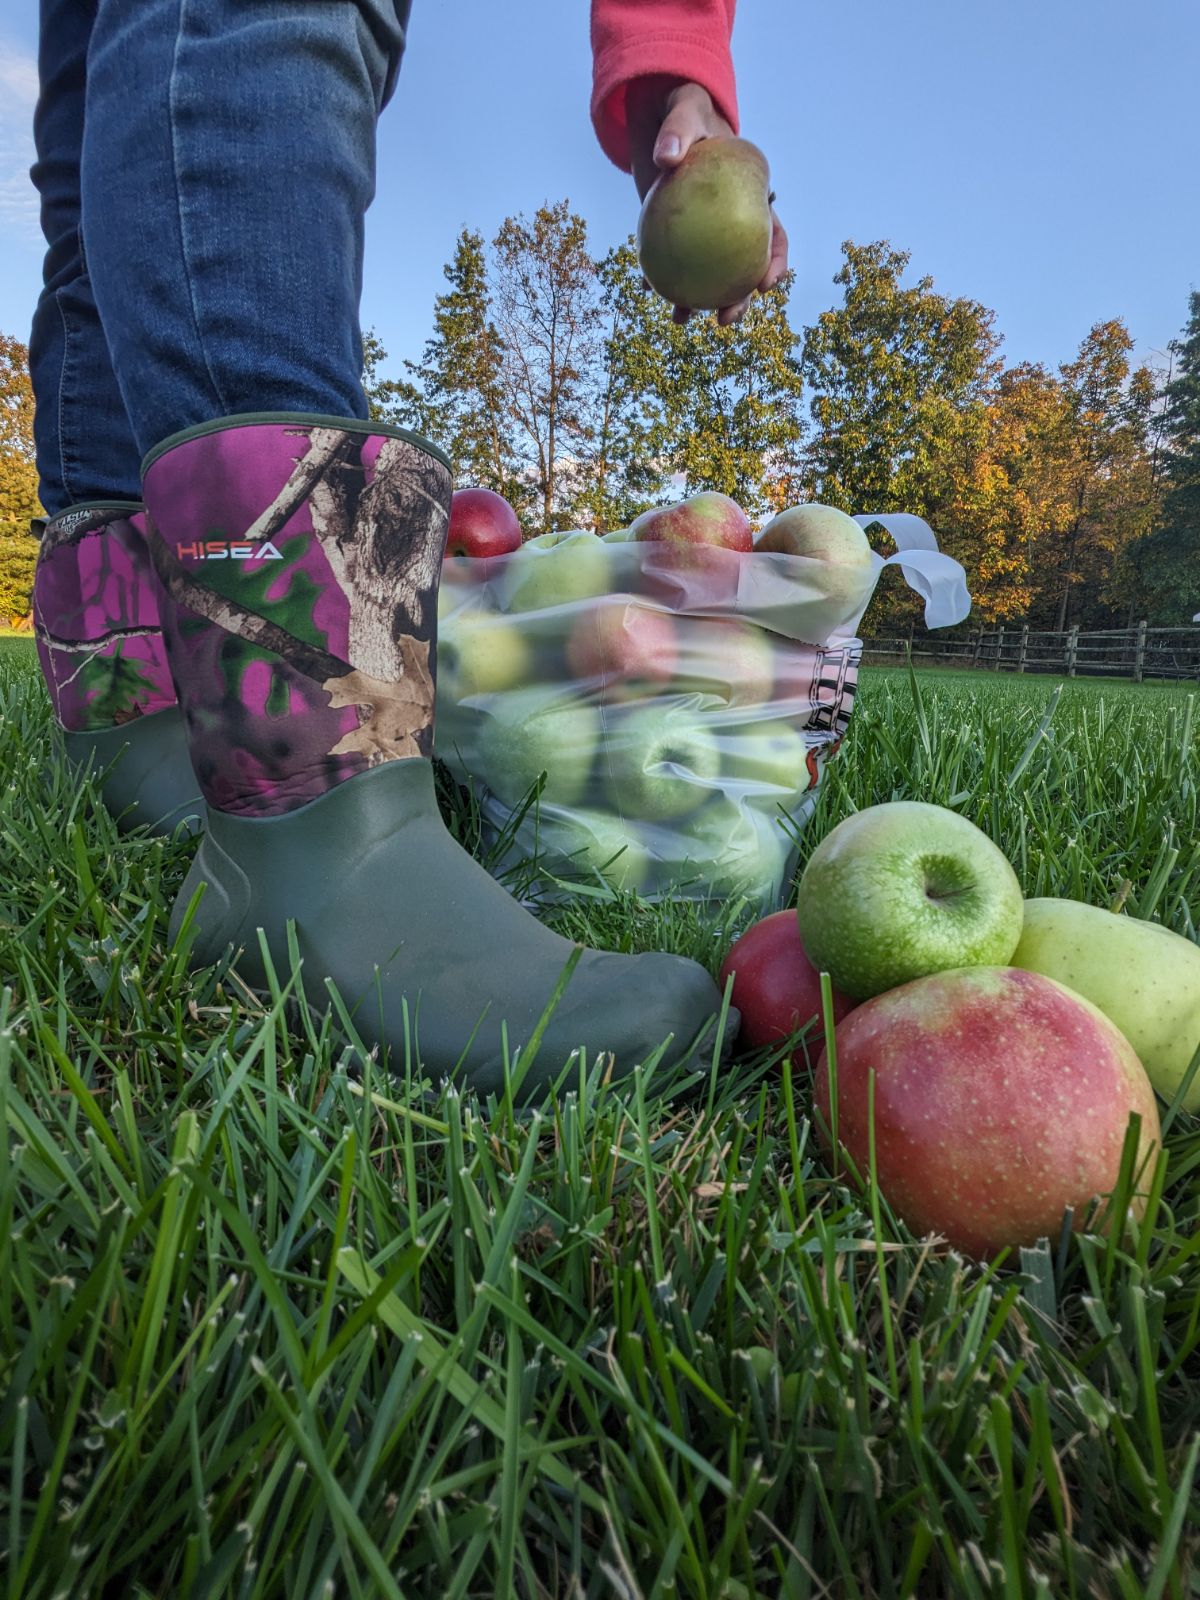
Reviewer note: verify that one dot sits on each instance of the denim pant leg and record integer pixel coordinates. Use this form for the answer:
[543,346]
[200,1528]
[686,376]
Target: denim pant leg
[228,161]
[85,446]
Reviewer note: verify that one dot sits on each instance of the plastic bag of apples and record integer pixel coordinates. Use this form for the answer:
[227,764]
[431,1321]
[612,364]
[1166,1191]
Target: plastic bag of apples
[652,709]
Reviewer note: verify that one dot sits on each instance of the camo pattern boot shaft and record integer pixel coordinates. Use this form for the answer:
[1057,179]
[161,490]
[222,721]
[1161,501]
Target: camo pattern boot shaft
[96,619]
[300,560]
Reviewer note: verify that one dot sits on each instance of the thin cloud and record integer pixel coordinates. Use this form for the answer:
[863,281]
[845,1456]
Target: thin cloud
[18,96]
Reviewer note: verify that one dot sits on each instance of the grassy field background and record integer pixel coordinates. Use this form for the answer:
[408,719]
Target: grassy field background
[270,1325]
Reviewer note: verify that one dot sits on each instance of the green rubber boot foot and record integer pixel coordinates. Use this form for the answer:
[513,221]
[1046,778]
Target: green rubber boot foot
[430,955]
[142,772]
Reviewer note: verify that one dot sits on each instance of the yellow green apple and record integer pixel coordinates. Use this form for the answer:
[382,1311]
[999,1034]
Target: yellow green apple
[1143,977]
[479,653]
[527,733]
[555,569]
[661,762]
[704,234]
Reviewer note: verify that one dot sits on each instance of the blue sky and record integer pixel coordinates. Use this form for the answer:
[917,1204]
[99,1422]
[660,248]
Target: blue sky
[1039,155]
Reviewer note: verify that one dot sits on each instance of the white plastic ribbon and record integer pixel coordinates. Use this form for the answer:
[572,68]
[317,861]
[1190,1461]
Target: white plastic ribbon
[936,577]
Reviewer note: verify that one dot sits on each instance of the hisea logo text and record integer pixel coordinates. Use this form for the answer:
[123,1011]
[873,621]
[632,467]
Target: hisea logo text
[227,550]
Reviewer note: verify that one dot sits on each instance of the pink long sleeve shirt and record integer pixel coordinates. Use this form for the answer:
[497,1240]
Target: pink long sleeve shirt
[638,38]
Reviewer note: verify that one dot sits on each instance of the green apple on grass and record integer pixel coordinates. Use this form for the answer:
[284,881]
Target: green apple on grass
[556,569]
[902,890]
[661,762]
[527,733]
[1143,977]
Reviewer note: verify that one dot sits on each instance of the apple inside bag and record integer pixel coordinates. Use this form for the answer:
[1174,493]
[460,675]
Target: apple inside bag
[639,714]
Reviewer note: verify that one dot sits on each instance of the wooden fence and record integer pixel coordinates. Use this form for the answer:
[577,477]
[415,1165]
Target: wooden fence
[1137,653]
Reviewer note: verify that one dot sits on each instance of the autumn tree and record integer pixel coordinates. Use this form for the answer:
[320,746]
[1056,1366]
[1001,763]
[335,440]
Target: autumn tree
[549,319]
[1102,464]
[18,480]
[1167,559]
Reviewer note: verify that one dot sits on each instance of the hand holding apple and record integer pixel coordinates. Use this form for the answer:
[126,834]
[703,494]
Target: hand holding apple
[670,122]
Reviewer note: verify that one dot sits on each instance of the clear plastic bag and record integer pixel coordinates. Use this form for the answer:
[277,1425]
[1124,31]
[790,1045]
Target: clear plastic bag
[677,707]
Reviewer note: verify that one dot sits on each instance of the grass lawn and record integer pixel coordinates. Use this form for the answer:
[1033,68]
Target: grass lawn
[269,1330]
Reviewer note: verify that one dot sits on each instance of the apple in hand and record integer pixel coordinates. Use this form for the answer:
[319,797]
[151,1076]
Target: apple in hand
[705,229]
[775,986]
[482,523]
[1142,976]
[620,642]
[824,534]
[661,763]
[526,733]
[1001,1099]
[478,653]
[901,890]
[555,569]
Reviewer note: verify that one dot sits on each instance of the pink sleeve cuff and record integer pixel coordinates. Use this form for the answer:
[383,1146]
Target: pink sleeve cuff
[686,39]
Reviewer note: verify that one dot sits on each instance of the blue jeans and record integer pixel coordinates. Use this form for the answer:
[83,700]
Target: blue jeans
[204,168]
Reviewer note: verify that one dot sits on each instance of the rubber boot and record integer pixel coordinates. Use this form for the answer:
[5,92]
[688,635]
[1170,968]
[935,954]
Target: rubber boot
[301,558]
[99,639]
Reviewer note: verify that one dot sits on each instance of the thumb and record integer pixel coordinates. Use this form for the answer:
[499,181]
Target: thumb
[683,125]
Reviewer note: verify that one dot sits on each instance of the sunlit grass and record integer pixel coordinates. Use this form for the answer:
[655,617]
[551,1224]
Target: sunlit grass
[272,1325]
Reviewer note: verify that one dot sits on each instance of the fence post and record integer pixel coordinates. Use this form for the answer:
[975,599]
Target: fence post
[978,646]
[999,650]
[1139,651]
[1072,650]
[1023,647]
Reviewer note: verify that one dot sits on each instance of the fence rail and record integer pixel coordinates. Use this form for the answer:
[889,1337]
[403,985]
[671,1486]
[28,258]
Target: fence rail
[1139,652]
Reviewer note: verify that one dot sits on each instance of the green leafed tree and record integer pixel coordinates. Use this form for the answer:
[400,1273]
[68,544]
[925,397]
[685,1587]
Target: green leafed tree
[711,407]
[625,453]
[894,374]
[394,400]
[1167,559]
[18,481]
[460,376]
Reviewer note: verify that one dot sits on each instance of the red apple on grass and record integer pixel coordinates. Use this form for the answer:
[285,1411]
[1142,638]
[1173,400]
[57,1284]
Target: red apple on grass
[1001,1099]
[618,643]
[775,986]
[482,523]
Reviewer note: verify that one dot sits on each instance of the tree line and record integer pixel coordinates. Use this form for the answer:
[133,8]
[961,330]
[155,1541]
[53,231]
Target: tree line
[1071,495]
